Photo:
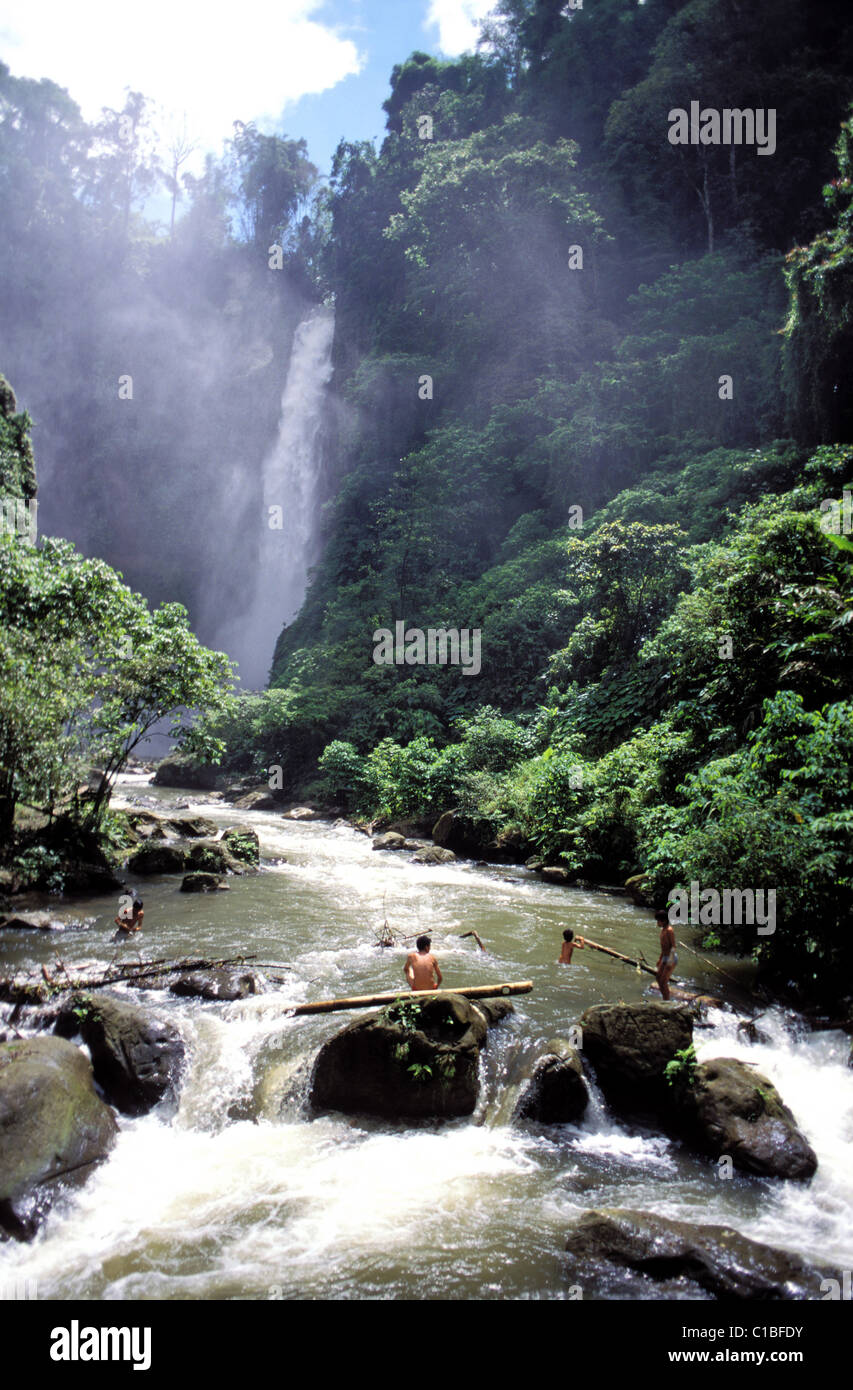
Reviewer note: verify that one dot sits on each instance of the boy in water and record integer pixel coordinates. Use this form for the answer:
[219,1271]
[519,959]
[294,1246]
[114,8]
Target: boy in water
[129,920]
[668,958]
[421,969]
[569,945]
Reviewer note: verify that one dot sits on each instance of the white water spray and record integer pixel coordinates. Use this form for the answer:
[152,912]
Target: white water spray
[288,518]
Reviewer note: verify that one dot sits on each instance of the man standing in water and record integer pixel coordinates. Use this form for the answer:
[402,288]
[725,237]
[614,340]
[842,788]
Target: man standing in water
[570,943]
[422,970]
[668,958]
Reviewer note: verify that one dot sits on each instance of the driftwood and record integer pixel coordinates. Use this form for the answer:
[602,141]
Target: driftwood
[628,960]
[475,936]
[30,990]
[369,1001]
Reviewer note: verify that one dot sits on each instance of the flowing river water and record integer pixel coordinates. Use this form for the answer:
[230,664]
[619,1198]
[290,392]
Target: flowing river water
[239,1193]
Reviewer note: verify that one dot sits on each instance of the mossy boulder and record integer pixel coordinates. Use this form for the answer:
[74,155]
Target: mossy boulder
[54,1127]
[242,843]
[414,1059]
[729,1108]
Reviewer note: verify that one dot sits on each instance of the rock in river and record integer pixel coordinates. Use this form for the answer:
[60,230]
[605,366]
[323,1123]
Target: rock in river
[242,842]
[200,882]
[630,1046]
[636,1254]
[218,984]
[556,1092]
[434,854]
[729,1108]
[415,1058]
[53,1126]
[136,1057]
[390,840]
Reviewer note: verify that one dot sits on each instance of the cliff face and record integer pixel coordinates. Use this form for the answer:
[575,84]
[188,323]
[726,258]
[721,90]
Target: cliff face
[17,464]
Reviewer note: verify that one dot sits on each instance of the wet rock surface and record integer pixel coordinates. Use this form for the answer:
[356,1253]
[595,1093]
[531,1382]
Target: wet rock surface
[729,1108]
[201,882]
[414,1061]
[630,1046]
[137,1058]
[226,984]
[556,1092]
[434,854]
[54,1128]
[615,1253]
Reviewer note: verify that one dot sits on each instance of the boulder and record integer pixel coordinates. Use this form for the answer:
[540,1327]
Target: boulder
[443,828]
[184,772]
[553,873]
[200,882]
[191,827]
[613,1253]
[416,844]
[434,854]
[33,921]
[158,857]
[416,1058]
[303,813]
[637,888]
[534,862]
[630,1046]
[242,843]
[212,857]
[137,1058]
[509,843]
[729,1108]
[53,1127]
[225,984]
[390,840]
[556,1092]
[147,825]
[258,799]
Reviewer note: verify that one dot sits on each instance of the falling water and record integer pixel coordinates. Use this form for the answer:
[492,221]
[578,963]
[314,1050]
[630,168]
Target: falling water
[287,521]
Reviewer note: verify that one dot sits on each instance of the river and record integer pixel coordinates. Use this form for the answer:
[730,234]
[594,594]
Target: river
[235,1196]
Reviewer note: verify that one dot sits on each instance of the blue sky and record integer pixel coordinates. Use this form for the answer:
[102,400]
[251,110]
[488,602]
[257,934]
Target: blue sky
[312,68]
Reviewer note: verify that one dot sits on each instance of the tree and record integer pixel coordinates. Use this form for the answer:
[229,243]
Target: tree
[274,179]
[87,671]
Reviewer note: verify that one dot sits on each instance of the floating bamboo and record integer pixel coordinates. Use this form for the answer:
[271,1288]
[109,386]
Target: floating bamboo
[369,1001]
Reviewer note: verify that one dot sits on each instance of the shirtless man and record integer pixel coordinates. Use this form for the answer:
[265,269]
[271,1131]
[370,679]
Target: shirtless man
[570,943]
[668,958]
[129,919]
[422,970]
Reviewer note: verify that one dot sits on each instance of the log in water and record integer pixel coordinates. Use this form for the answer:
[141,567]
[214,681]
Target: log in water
[368,1001]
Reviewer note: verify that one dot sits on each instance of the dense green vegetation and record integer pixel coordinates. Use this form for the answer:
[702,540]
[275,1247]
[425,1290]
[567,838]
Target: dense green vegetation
[626,467]
[665,615]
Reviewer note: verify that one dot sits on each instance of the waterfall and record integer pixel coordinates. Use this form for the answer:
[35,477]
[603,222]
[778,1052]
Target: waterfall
[287,521]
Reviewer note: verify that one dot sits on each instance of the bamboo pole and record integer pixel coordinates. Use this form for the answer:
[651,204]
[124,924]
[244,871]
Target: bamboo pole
[368,1001]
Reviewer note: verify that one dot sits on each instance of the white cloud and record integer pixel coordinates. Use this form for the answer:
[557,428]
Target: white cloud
[217,63]
[458,22]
